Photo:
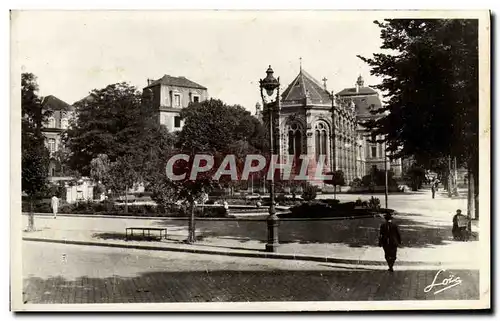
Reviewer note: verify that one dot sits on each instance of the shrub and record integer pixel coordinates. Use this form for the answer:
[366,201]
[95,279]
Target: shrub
[331,202]
[377,178]
[357,182]
[310,192]
[374,203]
[311,209]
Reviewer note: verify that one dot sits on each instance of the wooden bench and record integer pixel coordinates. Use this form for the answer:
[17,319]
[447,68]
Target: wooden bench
[144,229]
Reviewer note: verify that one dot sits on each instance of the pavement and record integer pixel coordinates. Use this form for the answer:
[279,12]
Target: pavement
[71,274]
[78,259]
[425,225]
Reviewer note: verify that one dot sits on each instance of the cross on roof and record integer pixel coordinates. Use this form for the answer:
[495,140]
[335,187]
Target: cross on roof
[324,81]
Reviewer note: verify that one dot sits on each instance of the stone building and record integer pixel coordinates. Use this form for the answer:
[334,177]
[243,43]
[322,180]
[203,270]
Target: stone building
[170,95]
[52,130]
[314,121]
[367,99]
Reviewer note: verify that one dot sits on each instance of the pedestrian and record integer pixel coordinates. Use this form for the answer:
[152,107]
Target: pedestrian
[460,225]
[389,240]
[433,189]
[54,202]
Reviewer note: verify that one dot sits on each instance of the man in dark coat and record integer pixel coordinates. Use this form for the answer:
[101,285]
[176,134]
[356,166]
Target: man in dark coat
[460,225]
[389,240]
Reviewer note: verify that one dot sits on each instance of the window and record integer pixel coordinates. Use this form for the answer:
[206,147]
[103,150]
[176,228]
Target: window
[196,99]
[52,145]
[177,121]
[64,123]
[374,151]
[177,100]
[294,140]
[52,122]
[321,139]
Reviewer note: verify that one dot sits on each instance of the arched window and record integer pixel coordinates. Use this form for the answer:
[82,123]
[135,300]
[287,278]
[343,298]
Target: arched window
[294,140]
[321,139]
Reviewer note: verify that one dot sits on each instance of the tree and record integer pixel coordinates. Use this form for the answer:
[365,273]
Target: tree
[34,154]
[122,176]
[430,81]
[100,172]
[416,176]
[187,191]
[213,126]
[336,180]
[119,122]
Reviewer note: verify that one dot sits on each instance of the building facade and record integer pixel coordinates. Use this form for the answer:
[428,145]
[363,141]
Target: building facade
[316,122]
[367,99]
[170,95]
[56,124]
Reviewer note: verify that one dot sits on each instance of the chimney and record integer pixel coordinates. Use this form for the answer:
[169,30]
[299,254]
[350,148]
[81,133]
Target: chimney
[150,81]
[359,83]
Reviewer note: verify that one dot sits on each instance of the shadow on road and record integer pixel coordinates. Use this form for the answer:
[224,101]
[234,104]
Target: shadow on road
[121,237]
[353,232]
[253,286]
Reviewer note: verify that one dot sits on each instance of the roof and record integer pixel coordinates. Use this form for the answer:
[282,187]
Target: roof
[176,81]
[53,103]
[305,84]
[353,92]
[365,103]
[86,99]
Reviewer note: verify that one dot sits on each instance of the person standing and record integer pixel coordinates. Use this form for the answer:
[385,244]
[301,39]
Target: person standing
[54,202]
[389,240]
[433,189]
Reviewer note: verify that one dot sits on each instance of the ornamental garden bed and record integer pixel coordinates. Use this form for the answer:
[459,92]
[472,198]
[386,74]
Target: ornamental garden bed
[333,208]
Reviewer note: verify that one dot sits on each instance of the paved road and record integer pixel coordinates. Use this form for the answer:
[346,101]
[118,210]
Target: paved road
[56,273]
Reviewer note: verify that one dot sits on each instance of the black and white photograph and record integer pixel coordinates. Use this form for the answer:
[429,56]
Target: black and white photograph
[259,160]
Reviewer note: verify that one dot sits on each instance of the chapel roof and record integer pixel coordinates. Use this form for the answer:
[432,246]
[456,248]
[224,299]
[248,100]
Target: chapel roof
[304,84]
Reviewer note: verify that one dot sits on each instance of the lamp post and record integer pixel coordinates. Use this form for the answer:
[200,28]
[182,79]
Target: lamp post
[386,178]
[269,85]
[334,143]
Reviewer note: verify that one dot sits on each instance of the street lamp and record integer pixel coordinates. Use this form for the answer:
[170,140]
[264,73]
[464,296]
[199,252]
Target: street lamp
[269,85]
[334,143]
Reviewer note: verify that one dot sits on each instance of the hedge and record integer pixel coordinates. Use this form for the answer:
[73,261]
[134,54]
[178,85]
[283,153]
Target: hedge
[108,208]
[331,208]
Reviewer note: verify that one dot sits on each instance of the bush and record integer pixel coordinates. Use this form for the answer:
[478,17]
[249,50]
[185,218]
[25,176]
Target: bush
[374,203]
[360,203]
[108,208]
[311,209]
[310,192]
[357,182]
[331,202]
[377,178]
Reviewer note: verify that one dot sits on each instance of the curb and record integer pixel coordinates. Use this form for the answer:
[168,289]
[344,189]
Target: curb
[234,218]
[262,254]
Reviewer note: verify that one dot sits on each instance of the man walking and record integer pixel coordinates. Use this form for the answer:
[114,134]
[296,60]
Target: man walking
[433,189]
[389,240]
[54,202]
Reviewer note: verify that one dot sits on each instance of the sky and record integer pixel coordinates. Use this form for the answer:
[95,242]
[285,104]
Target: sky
[73,52]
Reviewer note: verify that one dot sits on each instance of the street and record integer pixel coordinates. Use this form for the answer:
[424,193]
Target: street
[57,273]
